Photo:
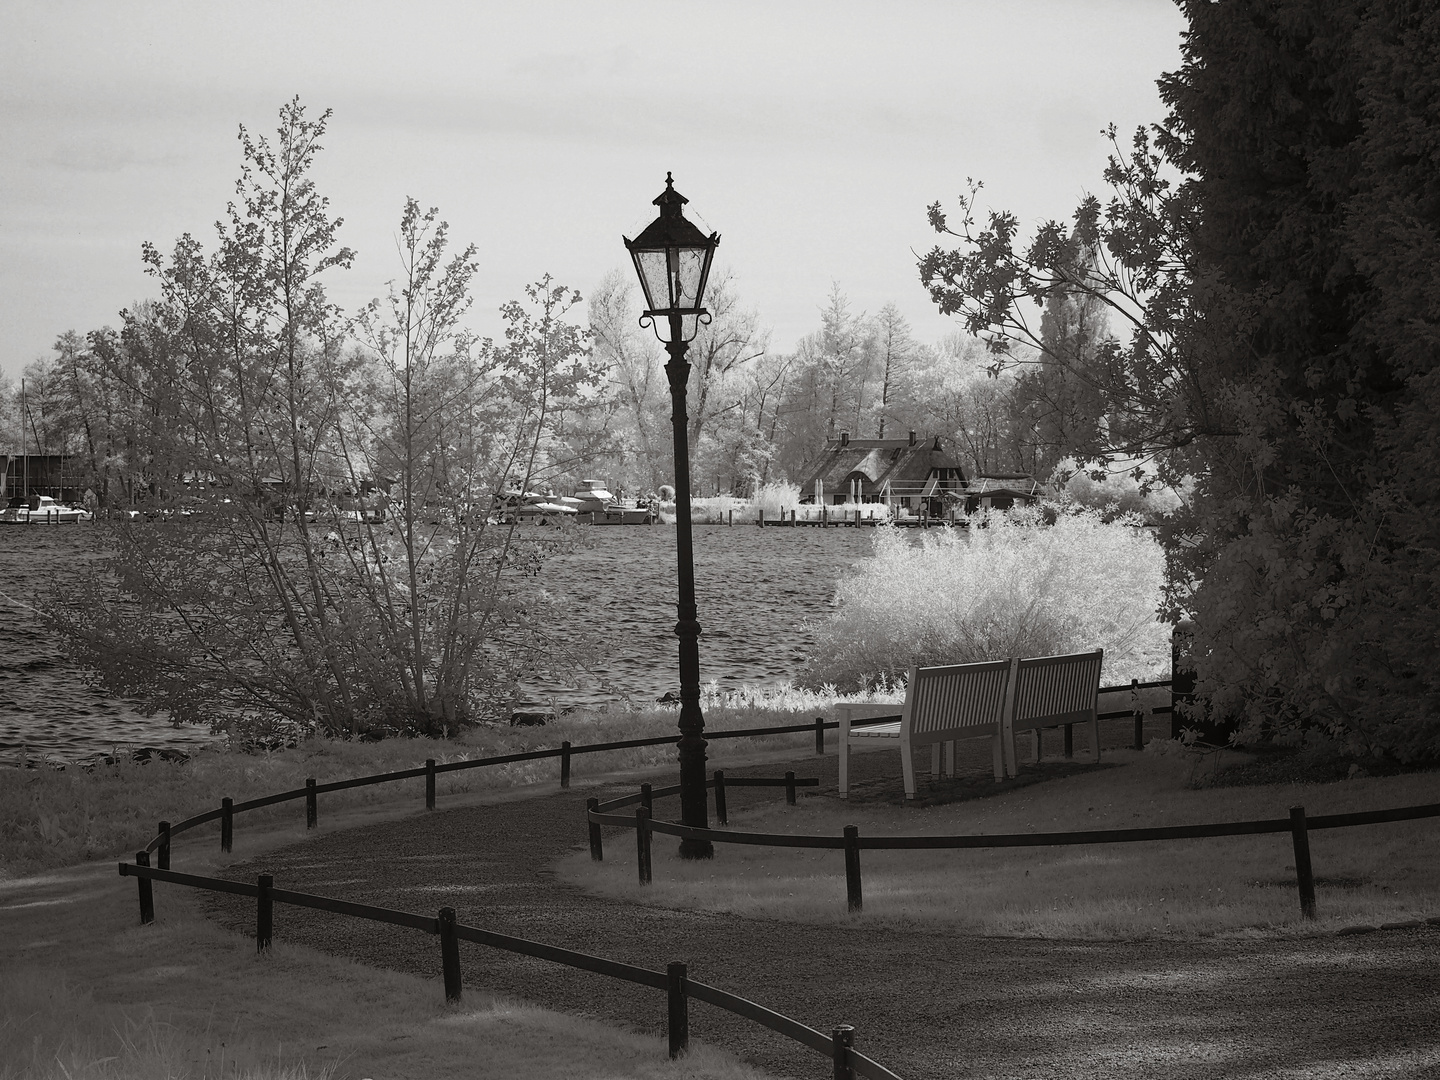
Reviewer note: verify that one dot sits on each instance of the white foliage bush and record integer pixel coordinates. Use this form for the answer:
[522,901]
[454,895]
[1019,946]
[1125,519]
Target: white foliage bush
[1008,586]
[777,498]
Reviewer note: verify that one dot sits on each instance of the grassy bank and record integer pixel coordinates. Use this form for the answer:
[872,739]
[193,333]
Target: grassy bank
[1185,888]
[52,818]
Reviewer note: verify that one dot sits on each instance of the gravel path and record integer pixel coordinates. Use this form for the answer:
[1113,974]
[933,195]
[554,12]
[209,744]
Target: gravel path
[928,1003]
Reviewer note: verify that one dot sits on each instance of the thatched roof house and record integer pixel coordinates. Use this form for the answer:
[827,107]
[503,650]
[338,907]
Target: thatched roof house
[905,471]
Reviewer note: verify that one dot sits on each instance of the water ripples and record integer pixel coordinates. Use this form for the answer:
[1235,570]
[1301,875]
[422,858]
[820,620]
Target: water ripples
[756,591]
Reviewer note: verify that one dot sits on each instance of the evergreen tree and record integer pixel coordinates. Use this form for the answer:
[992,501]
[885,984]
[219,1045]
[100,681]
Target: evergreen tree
[1311,129]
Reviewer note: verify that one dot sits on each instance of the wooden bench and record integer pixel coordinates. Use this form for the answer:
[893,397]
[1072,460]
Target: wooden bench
[991,700]
[1054,691]
[942,704]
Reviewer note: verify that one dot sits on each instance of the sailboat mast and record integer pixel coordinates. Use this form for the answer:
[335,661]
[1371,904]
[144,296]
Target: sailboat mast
[24,457]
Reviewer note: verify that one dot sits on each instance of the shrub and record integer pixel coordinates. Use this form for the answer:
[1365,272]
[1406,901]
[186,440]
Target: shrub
[1115,493]
[777,497]
[1008,586]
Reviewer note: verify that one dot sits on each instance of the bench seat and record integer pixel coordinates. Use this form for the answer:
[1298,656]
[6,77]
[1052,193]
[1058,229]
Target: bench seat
[993,700]
[942,704]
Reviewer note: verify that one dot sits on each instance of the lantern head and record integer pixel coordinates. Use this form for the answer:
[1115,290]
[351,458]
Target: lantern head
[672,259]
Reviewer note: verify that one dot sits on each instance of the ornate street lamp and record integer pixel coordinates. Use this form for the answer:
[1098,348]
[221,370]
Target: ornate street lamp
[672,258]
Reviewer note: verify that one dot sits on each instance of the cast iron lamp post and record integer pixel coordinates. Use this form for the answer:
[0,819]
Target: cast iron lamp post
[672,258]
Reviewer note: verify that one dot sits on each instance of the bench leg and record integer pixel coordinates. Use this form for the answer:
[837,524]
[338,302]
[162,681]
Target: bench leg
[1037,745]
[1095,739]
[950,759]
[907,768]
[934,762]
[997,755]
[844,765]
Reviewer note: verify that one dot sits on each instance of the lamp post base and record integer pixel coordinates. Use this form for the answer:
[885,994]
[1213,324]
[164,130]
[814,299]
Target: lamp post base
[696,849]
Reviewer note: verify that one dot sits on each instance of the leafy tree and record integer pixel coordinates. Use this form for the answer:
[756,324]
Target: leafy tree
[639,452]
[972,407]
[1271,249]
[1305,127]
[719,354]
[827,388]
[271,600]
[896,354]
[1134,258]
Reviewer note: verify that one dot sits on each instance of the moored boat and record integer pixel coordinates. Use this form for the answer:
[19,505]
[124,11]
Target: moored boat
[513,506]
[41,510]
[597,506]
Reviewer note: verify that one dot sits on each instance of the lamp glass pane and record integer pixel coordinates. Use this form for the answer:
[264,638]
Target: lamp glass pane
[690,265]
[653,279]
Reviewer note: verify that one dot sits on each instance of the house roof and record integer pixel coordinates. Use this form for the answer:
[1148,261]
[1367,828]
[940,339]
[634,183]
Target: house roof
[1015,485]
[878,460]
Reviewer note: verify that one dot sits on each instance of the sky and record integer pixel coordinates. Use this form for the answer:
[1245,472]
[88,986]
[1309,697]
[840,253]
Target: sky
[811,135]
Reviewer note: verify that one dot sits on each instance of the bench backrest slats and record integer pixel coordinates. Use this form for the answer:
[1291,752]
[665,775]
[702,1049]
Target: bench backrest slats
[942,700]
[1057,689]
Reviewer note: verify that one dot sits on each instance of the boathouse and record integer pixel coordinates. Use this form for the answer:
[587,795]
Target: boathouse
[1001,491]
[908,472]
[56,475]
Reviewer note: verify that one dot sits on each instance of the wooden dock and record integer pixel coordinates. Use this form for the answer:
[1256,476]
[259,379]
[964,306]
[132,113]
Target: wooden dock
[848,521]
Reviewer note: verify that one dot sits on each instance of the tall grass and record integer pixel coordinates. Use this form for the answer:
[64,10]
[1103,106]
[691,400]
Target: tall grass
[52,818]
[717,510]
[775,498]
[1007,586]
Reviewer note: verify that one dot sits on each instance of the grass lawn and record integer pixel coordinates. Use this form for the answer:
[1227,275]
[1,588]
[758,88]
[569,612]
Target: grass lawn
[51,818]
[87,992]
[1184,888]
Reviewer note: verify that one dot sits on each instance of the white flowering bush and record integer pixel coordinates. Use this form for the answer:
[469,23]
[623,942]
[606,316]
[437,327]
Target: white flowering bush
[1009,585]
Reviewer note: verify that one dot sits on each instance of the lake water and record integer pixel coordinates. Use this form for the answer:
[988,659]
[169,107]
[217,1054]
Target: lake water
[756,590]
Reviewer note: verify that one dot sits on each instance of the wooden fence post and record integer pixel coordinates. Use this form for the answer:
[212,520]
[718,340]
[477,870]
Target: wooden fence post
[677,1015]
[852,868]
[642,843]
[264,914]
[1304,878]
[1139,714]
[646,799]
[721,814]
[430,783]
[790,788]
[841,1040]
[819,735]
[565,764]
[162,853]
[597,850]
[450,955]
[147,894]
[312,811]
[227,824]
